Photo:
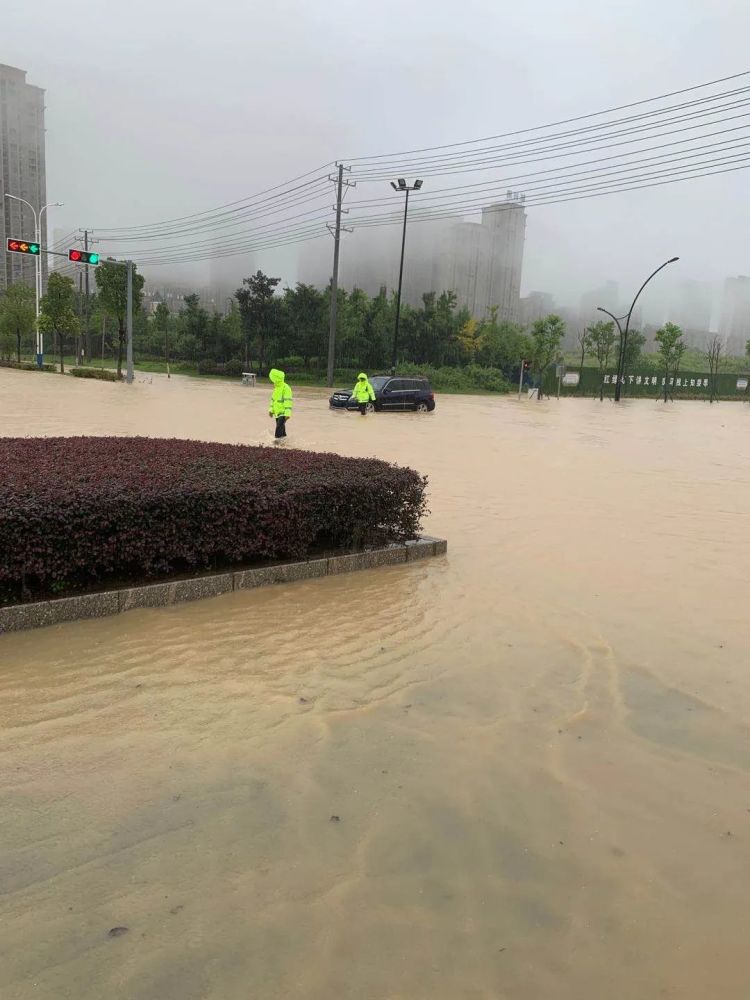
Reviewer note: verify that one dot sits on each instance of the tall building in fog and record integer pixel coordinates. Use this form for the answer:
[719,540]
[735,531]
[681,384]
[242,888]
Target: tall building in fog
[506,226]
[536,305]
[461,263]
[480,261]
[734,326]
[690,308]
[607,296]
[22,170]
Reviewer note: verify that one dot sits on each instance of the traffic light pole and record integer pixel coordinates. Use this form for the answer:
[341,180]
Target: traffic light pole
[520,379]
[86,333]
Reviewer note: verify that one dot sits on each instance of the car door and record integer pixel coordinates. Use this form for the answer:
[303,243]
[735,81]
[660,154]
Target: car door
[411,393]
[393,395]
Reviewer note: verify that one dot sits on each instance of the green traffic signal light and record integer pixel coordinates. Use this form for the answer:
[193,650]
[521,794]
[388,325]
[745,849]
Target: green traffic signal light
[33,248]
[94,258]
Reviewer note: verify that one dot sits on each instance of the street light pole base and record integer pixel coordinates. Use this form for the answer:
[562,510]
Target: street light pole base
[40,361]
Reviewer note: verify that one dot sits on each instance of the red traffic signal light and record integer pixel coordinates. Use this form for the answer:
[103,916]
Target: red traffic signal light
[526,365]
[22,246]
[83,257]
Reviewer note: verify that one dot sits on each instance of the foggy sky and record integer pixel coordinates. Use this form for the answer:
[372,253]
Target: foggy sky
[158,109]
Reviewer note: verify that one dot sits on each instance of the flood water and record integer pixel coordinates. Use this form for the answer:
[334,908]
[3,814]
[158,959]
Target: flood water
[537,747]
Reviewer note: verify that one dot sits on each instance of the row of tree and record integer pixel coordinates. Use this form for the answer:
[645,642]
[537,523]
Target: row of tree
[266,325]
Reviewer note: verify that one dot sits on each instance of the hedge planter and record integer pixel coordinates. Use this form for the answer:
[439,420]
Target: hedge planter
[83,514]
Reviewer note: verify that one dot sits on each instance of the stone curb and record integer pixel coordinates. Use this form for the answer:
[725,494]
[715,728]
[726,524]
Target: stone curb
[18,617]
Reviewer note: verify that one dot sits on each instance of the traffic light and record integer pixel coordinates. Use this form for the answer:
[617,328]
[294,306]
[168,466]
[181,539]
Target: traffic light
[526,366]
[21,246]
[83,257]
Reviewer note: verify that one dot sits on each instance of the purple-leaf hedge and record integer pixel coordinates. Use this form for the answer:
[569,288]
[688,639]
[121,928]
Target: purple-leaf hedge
[84,511]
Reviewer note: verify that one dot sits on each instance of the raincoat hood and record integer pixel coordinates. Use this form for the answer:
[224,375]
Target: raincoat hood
[362,376]
[276,376]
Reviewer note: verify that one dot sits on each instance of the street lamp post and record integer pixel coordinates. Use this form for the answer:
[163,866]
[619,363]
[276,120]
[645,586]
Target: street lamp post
[38,266]
[624,333]
[401,186]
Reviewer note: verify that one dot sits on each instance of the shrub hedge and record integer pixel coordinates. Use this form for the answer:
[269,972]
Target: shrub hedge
[26,366]
[232,367]
[86,511]
[467,379]
[104,374]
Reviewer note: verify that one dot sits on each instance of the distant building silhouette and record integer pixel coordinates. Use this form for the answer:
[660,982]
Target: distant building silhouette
[607,296]
[536,305]
[734,326]
[22,171]
[690,308]
[480,261]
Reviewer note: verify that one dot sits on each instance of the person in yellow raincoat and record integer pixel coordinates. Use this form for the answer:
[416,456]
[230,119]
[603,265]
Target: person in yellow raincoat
[281,402]
[363,392]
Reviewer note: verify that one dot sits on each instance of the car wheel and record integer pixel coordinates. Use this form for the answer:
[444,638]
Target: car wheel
[370,408]
[422,408]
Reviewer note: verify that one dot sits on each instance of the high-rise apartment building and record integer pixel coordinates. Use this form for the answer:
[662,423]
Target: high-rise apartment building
[461,266]
[506,227]
[22,171]
[480,261]
[607,296]
[735,314]
[690,308]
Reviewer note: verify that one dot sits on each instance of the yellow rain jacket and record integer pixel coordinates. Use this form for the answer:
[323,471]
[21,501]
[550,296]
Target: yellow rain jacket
[281,397]
[363,392]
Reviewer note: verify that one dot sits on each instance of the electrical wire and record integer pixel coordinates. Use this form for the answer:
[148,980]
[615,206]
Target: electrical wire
[556,124]
[270,218]
[219,210]
[563,195]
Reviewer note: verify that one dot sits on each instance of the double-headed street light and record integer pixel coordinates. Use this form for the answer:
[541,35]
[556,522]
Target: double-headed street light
[624,333]
[406,188]
[38,275]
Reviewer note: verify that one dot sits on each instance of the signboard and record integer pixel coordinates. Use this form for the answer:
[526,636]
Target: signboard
[656,380]
[571,378]
[742,385]
[559,371]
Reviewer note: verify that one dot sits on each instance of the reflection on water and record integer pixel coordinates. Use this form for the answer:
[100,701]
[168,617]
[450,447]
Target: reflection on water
[536,748]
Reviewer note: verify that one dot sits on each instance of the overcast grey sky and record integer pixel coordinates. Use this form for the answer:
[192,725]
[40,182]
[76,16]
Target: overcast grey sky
[159,109]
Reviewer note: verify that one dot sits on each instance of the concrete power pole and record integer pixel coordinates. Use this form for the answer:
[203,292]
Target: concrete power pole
[129,320]
[336,232]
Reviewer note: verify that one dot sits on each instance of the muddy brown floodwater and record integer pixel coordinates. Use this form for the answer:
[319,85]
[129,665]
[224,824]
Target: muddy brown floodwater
[537,747]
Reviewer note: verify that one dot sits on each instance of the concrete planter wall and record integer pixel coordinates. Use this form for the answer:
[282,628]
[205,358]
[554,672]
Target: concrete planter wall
[158,595]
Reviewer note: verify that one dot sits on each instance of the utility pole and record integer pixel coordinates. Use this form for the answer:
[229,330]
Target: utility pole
[336,233]
[129,320]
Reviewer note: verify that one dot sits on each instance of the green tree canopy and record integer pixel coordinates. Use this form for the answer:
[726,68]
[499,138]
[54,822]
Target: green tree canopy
[18,315]
[58,315]
[112,282]
[600,340]
[671,349]
[546,337]
[259,317]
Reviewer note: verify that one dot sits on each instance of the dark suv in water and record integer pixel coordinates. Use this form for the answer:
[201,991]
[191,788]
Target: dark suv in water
[392,392]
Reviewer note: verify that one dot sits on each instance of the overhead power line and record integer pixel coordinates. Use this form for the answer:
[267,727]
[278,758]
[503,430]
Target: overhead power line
[559,196]
[556,124]
[296,210]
